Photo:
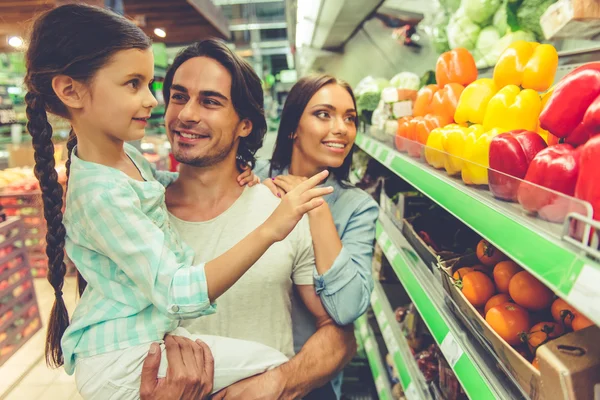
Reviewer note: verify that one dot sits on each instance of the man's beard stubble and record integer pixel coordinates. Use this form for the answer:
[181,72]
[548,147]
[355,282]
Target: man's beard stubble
[207,160]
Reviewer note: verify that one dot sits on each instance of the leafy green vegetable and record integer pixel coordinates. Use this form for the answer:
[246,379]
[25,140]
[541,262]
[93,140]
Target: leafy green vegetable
[461,31]
[529,13]
[481,11]
[405,80]
[428,78]
[487,40]
[439,38]
[500,20]
[368,101]
[450,5]
[491,57]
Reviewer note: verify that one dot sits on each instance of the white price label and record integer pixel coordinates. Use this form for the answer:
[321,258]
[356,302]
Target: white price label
[392,253]
[380,317]
[378,151]
[411,392]
[451,349]
[584,295]
[389,158]
[390,340]
[383,238]
[379,384]
[369,345]
[374,297]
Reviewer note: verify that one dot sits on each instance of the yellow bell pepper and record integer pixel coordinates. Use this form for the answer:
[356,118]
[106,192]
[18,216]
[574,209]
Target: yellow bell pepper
[512,108]
[474,100]
[434,148]
[476,156]
[527,64]
[454,145]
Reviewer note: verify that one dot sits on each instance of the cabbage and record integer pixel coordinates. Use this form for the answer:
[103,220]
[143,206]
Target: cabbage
[450,5]
[488,38]
[500,20]
[439,39]
[462,32]
[406,80]
[529,14]
[367,84]
[480,11]
[491,57]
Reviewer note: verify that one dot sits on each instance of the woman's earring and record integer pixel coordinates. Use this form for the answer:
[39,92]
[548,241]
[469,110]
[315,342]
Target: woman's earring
[292,135]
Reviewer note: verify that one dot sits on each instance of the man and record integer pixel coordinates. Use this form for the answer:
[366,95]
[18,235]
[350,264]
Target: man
[215,123]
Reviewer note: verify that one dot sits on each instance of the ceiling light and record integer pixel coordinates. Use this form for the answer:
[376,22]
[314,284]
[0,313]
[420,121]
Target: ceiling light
[306,21]
[160,32]
[15,41]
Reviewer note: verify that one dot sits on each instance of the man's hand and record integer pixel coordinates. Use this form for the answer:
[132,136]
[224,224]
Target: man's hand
[189,374]
[266,386]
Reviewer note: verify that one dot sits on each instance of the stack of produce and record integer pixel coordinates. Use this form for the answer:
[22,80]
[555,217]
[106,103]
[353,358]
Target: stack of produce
[398,99]
[368,96]
[435,104]
[486,27]
[517,306]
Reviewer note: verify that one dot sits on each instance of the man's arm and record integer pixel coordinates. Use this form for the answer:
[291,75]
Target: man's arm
[323,356]
[320,359]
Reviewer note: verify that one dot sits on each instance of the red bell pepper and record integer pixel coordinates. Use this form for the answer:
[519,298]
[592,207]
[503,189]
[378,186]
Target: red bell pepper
[573,110]
[510,154]
[588,183]
[556,168]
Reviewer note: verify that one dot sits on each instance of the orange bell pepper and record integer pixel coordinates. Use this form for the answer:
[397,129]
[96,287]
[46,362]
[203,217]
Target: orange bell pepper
[445,102]
[455,66]
[423,126]
[402,133]
[422,105]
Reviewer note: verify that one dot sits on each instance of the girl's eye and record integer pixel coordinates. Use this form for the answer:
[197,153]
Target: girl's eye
[322,114]
[177,97]
[351,118]
[134,83]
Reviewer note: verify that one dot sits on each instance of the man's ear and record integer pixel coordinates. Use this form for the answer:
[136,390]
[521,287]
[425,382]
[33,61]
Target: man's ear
[69,91]
[245,128]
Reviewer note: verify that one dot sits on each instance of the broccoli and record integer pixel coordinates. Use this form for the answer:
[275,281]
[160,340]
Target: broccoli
[368,101]
[529,13]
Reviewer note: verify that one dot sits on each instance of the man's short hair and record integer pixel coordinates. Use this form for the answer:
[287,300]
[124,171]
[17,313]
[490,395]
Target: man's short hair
[246,92]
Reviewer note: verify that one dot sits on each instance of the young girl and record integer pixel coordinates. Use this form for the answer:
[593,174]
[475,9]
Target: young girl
[93,67]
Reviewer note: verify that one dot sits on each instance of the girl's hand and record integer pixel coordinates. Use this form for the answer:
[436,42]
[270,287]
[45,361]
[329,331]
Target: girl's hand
[297,202]
[248,178]
[283,184]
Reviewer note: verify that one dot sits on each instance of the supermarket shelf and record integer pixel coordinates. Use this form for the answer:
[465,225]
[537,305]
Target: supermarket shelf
[9,306]
[535,244]
[24,339]
[411,379]
[475,368]
[15,317]
[376,363]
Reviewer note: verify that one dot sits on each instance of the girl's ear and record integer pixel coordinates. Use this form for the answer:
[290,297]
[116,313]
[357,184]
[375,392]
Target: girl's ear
[69,91]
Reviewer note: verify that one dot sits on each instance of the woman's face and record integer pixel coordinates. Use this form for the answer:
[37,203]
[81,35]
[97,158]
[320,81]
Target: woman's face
[327,128]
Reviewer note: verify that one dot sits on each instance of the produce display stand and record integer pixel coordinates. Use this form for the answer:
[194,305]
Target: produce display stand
[473,365]
[543,248]
[411,378]
[19,313]
[365,336]
[28,206]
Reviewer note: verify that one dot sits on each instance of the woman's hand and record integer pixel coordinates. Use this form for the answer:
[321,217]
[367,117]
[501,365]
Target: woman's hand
[283,184]
[297,202]
[248,178]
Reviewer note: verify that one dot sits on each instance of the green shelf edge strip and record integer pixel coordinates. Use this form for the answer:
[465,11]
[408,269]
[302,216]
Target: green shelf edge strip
[405,378]
[373,356]
[466,371]
[556,266]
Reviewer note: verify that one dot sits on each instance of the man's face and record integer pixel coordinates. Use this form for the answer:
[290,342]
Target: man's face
[202,124]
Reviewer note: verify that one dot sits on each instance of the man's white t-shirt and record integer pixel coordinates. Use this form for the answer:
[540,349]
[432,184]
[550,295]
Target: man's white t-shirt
[258,306]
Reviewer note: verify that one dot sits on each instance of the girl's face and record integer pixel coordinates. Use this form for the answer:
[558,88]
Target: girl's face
[119,101]
[327,128]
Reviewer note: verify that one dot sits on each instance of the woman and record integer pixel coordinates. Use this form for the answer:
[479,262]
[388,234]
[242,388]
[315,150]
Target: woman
[317,132]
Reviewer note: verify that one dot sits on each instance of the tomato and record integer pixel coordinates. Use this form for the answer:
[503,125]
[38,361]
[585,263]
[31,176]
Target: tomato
[488,254]
[536,364]
[542,333]
[563,312]
[497,300]
[503,273]
[461,272]
[477,288]
[581,322]
[509,321]
[530,293]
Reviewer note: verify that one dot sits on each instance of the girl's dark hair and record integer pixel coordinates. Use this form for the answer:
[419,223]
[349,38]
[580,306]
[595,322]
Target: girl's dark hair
[73,40]
[246,92]
[296,102]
